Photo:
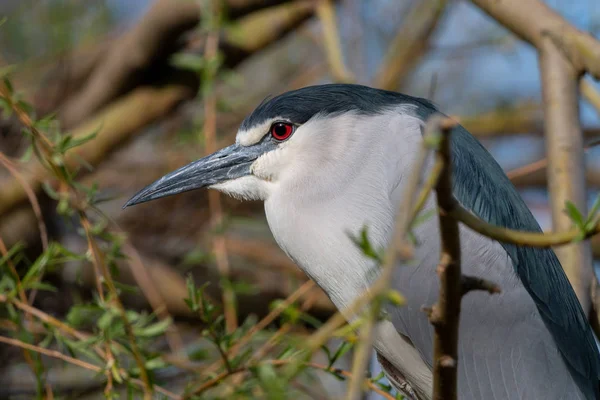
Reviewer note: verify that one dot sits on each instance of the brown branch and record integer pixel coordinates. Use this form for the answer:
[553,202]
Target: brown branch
[114,125]
[410,44]
[534,173]
[521,118]
[263,323]
[590,94]
[471,283]
[332,43]
[125,117]
[579,48]
[21,292]
[445,313]
[564,147]
[77,362]
[101,266]
[144,45]
[148,286]
[46,155]
[143,51]
[214,197]
[50,353]
[35,205]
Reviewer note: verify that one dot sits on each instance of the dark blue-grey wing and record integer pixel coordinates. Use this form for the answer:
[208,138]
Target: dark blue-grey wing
[505,349]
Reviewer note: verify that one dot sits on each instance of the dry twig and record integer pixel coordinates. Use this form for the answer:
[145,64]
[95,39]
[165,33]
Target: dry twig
[410,43]
[333,46]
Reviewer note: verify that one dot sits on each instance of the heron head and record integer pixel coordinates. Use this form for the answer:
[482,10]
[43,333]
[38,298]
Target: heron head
[297,140]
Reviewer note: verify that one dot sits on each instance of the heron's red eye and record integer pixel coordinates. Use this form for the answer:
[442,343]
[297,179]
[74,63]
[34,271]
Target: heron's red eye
[282,130]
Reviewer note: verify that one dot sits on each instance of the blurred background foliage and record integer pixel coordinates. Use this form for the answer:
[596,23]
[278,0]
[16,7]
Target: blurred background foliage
[151,85]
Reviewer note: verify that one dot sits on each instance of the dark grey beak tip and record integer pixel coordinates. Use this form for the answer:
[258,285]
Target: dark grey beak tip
[133,201]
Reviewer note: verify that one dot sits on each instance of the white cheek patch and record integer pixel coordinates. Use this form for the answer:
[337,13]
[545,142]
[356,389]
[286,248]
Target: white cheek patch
[266,166]
[254,134]
[245,188]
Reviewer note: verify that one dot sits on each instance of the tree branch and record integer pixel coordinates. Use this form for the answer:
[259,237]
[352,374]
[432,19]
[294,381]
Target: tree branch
[332,44]
[445,313]
[581,49]
[410,43]
[566,172]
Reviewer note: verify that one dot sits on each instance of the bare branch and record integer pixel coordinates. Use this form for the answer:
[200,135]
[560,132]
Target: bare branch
[410,44]
[470,283]
[445,313]
[333,46]
[566,171]
[580,48]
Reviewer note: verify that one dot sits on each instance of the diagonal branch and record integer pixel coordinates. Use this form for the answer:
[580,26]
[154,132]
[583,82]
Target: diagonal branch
[578,47]
[410,44]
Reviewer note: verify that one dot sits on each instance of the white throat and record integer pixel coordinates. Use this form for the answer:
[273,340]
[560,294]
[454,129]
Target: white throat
[312,222]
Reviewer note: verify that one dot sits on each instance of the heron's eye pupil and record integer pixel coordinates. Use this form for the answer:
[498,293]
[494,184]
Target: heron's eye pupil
[282,130]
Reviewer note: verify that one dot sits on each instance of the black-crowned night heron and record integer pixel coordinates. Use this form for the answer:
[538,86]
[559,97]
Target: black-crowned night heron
[331,159]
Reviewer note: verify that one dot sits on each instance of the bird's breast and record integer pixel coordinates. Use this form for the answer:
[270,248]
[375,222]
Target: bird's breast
[320,242]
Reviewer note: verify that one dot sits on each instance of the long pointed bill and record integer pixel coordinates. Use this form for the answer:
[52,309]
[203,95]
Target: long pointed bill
[226,164]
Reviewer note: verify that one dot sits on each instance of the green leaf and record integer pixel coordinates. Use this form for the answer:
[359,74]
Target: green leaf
[200,354]
[191,62]
[9,85]
[593,216]
[6,70]
[41,286]
[155,363]
[363,243]
[273,385]
[106,319]
[83,314]
[26,154]
[423,217]
[197,256]
[574,214]
[10,254]
[395,297]
[155,329]
[378,377]
[50,191]
[78,141]
[341,350]
[5,107]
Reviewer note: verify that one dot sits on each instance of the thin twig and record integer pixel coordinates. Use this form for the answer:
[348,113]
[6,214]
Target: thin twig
[46,154]
[445,313]
[590,94]
[50,353]
[214,198]
[521,238]
[224,375]
[146,283]
[35,205]
[264,322]
[541,164]
[80,363]
[21,293]
[333,46]
[410,44]
[470,283]
[137,355]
